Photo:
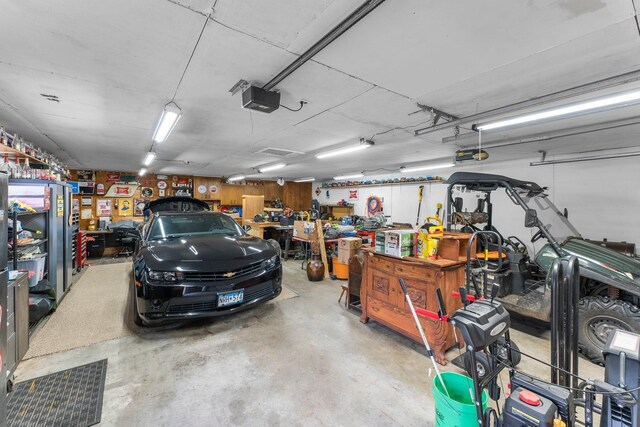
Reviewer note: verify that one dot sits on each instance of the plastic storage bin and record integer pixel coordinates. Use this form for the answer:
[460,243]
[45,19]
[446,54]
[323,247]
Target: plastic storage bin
[34,268]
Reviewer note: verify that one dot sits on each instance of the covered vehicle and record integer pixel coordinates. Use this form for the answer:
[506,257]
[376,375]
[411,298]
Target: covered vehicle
[610,281]
[200,264]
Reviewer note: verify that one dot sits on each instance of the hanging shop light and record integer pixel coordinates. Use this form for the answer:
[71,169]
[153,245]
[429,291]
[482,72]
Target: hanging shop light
[355,175]
[148,159]
[427,167]
[310,179]
[142,171]
[364,143]
[236,178]
[170,116]
[271,167]
[619,100]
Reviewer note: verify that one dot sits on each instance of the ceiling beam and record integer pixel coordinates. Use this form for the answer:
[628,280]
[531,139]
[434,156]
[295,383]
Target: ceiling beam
[355,16]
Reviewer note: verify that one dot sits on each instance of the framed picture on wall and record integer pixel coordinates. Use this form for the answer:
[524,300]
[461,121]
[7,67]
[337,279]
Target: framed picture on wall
[86,201]
[103,207]
[86,187]
[138,207]
[126,207]
[86,176]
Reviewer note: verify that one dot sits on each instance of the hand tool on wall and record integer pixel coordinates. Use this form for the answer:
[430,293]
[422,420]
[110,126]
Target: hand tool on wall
[420,190]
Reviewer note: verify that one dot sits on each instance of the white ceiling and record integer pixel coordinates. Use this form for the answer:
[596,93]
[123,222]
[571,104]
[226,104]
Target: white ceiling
[114,65]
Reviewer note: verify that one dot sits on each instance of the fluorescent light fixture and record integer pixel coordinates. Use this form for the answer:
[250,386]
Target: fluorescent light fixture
[427,167]
[356,175]
[148,159]
[236,178]
[351,149]
[310,179]
[142,171]
[170,116]
[271,167]
[582,107]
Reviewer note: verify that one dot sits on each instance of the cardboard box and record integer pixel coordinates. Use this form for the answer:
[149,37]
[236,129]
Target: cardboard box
[347,247]
[304,230]
[399,243]
[349,243]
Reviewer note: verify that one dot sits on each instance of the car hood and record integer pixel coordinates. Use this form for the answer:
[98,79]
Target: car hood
[205,253]
[604,261]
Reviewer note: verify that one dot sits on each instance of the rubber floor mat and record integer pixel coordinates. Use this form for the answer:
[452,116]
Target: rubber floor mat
[72,397]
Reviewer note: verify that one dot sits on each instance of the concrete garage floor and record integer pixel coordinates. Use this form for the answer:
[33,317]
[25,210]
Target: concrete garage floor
[300,361]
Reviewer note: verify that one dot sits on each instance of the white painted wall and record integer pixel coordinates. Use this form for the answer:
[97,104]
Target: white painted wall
[603,197]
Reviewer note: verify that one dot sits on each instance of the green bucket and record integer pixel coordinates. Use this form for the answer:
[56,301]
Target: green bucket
[457,409]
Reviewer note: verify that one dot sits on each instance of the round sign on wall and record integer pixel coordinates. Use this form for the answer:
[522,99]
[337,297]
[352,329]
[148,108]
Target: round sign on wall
[147,192]
[202,189]
[213,189]
[162,185]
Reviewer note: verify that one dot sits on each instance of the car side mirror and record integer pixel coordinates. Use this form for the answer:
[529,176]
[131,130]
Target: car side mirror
[135,233]
[531,218]
[246,227]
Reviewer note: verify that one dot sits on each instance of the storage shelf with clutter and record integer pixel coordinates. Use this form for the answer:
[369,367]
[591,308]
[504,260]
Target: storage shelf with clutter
[22,160]
[384,182]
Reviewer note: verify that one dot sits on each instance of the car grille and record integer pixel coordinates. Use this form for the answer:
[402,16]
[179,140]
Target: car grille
[258,291]
[191,308]
[250,294]
[223,275]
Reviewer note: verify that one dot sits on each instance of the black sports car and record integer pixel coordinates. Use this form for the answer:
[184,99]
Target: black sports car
[199,264]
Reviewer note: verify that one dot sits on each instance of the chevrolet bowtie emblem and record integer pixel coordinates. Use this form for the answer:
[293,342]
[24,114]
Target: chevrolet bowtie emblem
[229,274]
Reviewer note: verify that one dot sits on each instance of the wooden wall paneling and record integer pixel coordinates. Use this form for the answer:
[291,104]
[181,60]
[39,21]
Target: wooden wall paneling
[251,206]
[272,191]
[208,183]
[297,195]
[232,194]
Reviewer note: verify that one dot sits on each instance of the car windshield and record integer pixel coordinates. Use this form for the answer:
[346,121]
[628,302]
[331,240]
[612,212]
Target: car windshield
[551,217]
[170,226]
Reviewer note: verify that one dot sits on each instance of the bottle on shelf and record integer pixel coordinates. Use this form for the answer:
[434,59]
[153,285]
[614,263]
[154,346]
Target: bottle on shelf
[26,170]
[6,166]
[17,170]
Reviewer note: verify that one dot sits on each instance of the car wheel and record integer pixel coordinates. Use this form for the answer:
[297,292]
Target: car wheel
[136,316]
[598,317]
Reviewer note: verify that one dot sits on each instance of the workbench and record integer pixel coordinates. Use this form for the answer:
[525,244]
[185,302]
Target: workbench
[257,228]
[382,298]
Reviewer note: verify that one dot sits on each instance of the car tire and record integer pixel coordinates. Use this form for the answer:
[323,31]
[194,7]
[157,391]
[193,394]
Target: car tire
[137,320]
[597,317]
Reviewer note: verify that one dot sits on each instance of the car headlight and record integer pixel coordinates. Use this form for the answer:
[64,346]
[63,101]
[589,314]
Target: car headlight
[166,276]
[272,262]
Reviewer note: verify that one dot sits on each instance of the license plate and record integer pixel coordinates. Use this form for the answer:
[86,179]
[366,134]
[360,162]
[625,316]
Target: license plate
[230,298]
